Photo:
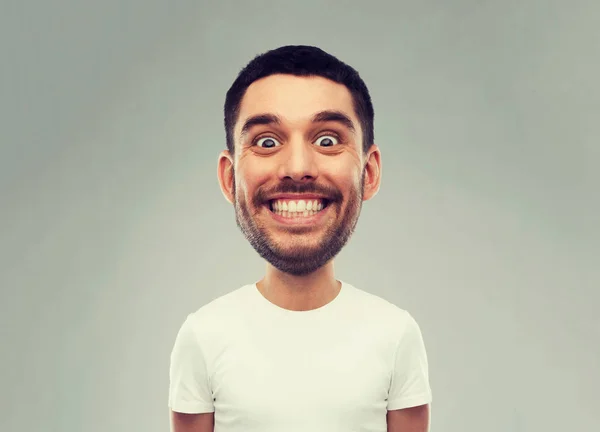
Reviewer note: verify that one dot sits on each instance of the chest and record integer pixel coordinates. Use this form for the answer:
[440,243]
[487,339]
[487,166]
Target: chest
[301,383]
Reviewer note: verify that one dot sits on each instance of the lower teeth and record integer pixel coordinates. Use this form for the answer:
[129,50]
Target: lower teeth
[296,214]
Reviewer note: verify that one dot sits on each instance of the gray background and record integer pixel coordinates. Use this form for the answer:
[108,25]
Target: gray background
[113,226]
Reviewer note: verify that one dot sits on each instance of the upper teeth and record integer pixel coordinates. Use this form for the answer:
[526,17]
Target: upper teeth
[297,205]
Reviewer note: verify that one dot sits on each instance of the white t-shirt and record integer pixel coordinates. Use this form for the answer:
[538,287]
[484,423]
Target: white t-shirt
[263,368]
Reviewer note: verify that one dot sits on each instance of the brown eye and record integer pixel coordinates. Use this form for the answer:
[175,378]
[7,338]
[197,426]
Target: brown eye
[267,142]
[327,141]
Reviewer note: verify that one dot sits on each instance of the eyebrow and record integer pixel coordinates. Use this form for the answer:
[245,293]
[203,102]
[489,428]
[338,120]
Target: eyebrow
[257,120]
[334,116]
[320,117]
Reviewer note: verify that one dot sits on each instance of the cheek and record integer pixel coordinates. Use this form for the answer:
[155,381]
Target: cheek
[346,168]
[248,179]
[346,179]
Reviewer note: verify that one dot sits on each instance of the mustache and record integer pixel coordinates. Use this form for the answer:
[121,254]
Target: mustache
[293,187]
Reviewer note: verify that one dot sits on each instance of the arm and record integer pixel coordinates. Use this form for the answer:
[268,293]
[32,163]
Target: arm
[190,396]
[409,396]
[181,422]
[414,419]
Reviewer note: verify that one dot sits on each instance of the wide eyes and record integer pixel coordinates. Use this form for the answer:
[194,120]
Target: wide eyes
[267,142]
[326,141]
[322,141]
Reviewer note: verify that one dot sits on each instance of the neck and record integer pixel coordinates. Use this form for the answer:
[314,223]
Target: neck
[299,293]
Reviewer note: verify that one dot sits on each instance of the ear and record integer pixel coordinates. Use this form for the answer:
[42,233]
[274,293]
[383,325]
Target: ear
[225,174]
[372,173]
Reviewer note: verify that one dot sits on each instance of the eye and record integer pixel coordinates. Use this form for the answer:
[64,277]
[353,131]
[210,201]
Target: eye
[327,141]
[267,142]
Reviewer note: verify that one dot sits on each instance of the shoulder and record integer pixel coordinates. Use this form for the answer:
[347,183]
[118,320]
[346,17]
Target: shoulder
[380,311]
[375,305]
[219,312]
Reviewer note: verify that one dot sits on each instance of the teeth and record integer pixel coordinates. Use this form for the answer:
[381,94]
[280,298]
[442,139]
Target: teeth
[298,208]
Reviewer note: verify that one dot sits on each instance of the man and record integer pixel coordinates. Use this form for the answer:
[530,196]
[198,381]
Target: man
[299,350]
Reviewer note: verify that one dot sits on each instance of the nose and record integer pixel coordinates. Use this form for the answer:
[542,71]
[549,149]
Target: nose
[298,162]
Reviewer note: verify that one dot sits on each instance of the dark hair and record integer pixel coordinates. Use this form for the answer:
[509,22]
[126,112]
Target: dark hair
[300,60]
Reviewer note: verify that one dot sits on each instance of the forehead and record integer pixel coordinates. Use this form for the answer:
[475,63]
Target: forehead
[295,99]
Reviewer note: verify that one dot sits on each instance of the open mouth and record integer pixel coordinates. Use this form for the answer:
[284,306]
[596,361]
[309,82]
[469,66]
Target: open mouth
[297,208]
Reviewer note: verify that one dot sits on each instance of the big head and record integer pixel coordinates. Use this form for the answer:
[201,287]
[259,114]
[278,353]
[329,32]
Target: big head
[300,156]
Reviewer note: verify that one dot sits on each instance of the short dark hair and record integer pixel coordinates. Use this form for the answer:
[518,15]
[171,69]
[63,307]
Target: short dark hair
[300,60]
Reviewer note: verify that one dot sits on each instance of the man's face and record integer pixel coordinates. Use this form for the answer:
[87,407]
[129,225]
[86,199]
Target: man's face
[297,181]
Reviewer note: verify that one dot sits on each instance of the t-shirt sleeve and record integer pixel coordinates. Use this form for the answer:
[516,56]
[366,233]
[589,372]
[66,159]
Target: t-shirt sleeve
[189,383]
[410,377]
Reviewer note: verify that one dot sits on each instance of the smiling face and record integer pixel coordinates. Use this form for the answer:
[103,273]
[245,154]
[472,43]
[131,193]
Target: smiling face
[299,175]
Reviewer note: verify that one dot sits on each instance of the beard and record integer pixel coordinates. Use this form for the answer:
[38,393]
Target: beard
[304,257]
